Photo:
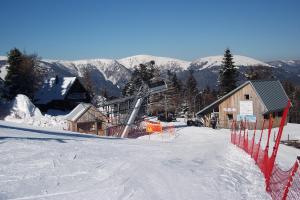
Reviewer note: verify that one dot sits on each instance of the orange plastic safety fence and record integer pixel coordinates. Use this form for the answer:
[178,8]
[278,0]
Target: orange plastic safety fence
[136,130]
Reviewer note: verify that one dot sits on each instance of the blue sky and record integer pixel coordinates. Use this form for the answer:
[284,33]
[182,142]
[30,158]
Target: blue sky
[79,29]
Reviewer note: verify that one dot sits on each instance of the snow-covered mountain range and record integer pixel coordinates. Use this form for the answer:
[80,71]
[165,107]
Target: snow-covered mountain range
[163,62]
[213,61]
[113,74]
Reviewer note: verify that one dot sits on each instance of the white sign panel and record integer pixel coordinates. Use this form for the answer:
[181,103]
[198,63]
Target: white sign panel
[246,107]
[248,118]
[229,109]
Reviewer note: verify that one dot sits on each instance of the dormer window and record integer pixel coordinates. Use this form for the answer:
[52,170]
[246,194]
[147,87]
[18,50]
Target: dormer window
[247,97]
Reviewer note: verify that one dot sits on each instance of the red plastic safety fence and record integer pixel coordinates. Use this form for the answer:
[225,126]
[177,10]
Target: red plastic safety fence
[280,184]
[294,189]
[136,130]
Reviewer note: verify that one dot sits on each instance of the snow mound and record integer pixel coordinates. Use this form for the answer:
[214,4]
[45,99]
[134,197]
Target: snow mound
[23,108]
[24,111]
[212,61]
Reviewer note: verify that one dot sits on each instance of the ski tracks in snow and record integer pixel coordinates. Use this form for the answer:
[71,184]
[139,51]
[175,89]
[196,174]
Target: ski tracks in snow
[199,163]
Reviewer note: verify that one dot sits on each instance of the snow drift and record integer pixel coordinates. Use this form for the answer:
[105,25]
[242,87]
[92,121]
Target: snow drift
[22,110]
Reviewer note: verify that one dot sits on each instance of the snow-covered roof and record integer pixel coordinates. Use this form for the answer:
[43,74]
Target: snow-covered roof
[54,89]
[78,111]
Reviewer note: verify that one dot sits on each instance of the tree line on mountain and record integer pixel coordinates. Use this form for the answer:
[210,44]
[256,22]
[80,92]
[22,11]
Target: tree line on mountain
[25,76]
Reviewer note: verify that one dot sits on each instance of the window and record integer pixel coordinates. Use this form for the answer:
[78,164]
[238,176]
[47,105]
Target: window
[230,116]
[247,97]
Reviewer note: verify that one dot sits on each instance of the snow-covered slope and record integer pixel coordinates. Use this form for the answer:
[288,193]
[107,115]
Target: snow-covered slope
[3,58]
[200,163]
[163,62]
[285,63]
[105,73]
[3,64]
[213,61]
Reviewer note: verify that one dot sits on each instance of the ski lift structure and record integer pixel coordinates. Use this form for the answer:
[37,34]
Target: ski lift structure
[154,86]
[157,86]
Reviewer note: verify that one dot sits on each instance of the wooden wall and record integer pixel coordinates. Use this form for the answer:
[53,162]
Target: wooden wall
[87,122]
[232,106]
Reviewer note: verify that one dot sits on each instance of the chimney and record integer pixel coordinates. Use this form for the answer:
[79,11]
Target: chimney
[56,79]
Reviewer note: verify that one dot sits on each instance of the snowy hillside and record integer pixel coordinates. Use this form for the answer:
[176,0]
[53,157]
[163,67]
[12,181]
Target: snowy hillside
[3,58]
[163,62]
[285,63]
[197,164]
[105,73]
[3,65]
[215,61]
[287,69]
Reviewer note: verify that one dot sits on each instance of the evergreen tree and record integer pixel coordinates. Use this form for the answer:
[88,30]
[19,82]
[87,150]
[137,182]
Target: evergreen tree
[176,83]
[24,76]
[87,82]
[191,91]
[228,74]
[293,93]
[142,73]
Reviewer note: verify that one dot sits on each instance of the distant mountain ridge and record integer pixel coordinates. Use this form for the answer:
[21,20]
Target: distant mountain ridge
[114,74]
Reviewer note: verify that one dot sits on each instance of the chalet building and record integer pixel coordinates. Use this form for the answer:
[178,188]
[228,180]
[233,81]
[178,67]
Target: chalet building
[86,118]
[62,93]
[253,100]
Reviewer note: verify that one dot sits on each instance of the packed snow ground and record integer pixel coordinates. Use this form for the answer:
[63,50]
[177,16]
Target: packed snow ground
[196,163]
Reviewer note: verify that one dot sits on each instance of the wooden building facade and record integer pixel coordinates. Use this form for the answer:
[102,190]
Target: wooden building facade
[252,101]
[86,118]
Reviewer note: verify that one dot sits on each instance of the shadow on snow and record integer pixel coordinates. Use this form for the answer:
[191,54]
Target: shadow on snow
[72,135]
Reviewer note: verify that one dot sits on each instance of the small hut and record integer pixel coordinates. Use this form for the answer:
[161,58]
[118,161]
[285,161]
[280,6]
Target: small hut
[86,118]
[252,101]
